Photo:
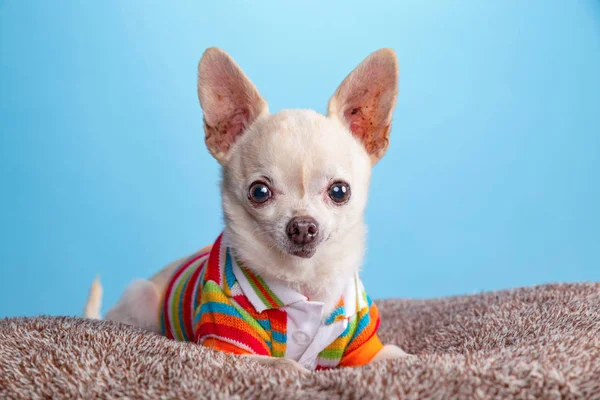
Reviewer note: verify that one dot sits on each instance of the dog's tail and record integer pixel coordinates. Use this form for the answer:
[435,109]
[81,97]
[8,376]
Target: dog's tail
[94,301]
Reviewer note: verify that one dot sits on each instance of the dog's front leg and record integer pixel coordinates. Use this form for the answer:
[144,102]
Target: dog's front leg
[390,351]
[278,363]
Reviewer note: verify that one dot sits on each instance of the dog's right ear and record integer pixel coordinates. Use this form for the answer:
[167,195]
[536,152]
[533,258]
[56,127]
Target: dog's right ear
[231,103]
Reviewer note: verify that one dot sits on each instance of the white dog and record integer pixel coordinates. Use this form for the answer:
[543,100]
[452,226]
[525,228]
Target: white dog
[280,284]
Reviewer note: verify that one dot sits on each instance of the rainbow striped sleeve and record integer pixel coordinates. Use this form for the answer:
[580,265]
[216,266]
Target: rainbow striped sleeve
[177,310]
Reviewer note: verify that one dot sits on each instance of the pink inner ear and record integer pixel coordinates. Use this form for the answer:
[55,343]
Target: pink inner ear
[224,134]
[357,121]
[368,115]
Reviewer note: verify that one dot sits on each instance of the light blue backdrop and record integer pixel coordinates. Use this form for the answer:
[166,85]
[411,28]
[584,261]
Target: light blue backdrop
[492,179]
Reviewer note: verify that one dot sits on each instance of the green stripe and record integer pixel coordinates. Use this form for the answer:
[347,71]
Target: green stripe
[332,354]
[263,285]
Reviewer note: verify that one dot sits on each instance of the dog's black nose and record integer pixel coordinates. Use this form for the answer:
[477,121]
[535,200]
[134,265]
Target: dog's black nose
[302,230]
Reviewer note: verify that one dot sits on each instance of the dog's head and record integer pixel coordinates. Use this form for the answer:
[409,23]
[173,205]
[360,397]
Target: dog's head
[295,183]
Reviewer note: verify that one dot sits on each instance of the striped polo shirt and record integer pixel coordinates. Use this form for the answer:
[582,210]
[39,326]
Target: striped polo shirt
[214,300]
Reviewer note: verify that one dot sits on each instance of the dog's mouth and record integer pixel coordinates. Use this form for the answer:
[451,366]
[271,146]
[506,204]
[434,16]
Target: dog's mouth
[306,251]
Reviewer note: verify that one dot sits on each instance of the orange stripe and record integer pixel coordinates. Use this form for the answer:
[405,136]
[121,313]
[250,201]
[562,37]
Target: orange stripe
[205,250]
[231,321]
[363,354]
[226,347]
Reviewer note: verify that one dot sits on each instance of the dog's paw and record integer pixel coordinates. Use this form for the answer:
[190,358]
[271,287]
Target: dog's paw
[289,365]
[279,363]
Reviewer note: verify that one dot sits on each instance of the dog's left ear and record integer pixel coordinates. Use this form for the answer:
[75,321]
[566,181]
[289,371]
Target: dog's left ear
[365,101]
[230,101]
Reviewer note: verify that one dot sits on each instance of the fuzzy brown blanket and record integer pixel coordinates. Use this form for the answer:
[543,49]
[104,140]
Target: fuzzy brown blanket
[541,342]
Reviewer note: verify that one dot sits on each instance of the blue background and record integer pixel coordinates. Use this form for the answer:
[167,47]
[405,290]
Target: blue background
[491,181]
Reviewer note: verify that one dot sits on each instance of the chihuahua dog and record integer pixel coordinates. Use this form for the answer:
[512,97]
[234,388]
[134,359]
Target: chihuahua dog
[280,284]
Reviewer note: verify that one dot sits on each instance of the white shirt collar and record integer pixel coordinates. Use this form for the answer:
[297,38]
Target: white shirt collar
[264,293]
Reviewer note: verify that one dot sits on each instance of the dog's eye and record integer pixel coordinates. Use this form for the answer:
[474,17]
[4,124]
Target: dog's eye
[339,192]
[259,193]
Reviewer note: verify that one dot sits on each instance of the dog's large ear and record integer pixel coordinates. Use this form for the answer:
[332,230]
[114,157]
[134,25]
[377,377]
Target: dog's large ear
[365,101]
[231,103]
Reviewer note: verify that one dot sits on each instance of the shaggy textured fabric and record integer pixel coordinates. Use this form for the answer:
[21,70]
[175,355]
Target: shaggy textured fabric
[541,342]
